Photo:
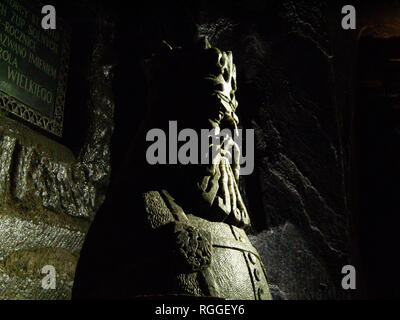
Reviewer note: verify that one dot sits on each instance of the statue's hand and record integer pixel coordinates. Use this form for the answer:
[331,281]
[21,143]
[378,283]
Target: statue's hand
[187,248]
[191,248]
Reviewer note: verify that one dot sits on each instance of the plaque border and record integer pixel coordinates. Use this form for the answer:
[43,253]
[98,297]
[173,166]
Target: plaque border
[52,125]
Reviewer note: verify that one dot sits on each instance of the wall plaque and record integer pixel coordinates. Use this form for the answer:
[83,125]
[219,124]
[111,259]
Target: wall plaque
[33,66]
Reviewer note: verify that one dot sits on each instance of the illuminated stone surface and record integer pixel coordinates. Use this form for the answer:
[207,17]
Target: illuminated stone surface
[49,195]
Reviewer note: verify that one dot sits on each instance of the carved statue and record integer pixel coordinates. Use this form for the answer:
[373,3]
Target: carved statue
[188,222]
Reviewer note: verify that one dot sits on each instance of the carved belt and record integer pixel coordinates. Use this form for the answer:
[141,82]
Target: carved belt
[234,244]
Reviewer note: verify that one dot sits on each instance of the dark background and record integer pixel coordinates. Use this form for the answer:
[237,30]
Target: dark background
[324,191]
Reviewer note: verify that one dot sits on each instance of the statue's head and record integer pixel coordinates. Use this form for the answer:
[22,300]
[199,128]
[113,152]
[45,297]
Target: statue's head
[217,71]
[196,86]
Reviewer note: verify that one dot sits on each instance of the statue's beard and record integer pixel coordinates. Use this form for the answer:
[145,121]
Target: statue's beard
[219,186]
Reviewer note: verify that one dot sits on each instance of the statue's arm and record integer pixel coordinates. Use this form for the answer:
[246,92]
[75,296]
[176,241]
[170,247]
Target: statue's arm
[188,248]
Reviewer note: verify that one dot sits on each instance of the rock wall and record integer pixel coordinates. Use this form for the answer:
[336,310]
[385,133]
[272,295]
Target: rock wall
[49,195]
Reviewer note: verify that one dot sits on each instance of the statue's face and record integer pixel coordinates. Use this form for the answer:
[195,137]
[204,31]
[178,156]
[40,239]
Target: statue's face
[217,75]
[215,97]
[219,188]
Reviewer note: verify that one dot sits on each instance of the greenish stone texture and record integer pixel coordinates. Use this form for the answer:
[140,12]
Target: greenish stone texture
[48,194]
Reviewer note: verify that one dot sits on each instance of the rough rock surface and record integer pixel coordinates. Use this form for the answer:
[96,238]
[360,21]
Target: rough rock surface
[296,195]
